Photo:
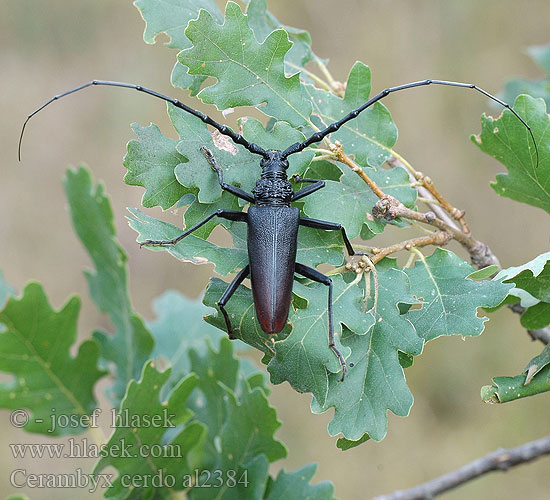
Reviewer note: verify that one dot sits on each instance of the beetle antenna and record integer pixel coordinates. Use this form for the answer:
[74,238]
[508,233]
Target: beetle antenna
[333,127]
[237,138]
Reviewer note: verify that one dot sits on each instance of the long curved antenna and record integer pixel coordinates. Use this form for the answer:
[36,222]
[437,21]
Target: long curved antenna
[333,127]
[237,138]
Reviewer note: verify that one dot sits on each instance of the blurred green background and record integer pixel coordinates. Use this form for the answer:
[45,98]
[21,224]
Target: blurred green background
[48,47]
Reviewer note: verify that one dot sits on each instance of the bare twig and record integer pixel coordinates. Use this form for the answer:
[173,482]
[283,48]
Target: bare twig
[391,208]
[455,213]
[499,460]
[423,192]
[439,238]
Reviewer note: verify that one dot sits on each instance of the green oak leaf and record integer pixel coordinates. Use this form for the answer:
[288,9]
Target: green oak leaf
[484,273]
[506,389]
[449,299]
[350,201]
[537,316]
[35,348]
[347,444]
[303,358]
[190,248]
[263,23]
[197,212]
[537,364]
[240,167]
[248,73]
[177,329]
[92,219]
[296,485]
[248,482]
[171,17]
[371,135]
[230,400]
[375,381]
[142,403]
[216,370]
[246,434]
[151,161]
[532,285]
[507,140]
[533,277]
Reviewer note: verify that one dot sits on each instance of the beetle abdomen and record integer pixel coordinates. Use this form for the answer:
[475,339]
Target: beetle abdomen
[272,243]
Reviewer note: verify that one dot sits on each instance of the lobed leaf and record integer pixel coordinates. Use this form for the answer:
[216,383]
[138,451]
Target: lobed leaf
[375,381]
[296,485]
[507,140]
[449,299]
[239,421]
[537,364]
[347,444]
[263,23]
[506,389]
[140,405]
[533,277]
[173,20]
[248,73]
[532,285]
[537,316]
[151,161]
[35,347]
[171,17]
[178,329]
[371,135]
[92,219]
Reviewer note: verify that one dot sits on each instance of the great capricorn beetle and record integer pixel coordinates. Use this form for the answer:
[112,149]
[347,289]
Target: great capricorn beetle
[272,222]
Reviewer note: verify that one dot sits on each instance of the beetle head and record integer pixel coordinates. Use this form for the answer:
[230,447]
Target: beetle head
[274,162]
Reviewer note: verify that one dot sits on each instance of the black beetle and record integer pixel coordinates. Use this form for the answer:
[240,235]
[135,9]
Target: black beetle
[272,221]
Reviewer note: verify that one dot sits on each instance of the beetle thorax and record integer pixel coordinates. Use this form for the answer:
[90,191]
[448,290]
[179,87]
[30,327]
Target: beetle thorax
[273,187]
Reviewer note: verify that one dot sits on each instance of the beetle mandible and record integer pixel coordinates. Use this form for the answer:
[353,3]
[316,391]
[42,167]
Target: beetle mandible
[271,220]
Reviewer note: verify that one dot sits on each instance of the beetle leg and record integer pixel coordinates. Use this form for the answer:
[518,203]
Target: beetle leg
[315,275]
[234,190]
[315,186]
[330,226]
[243,273]
[225,214]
